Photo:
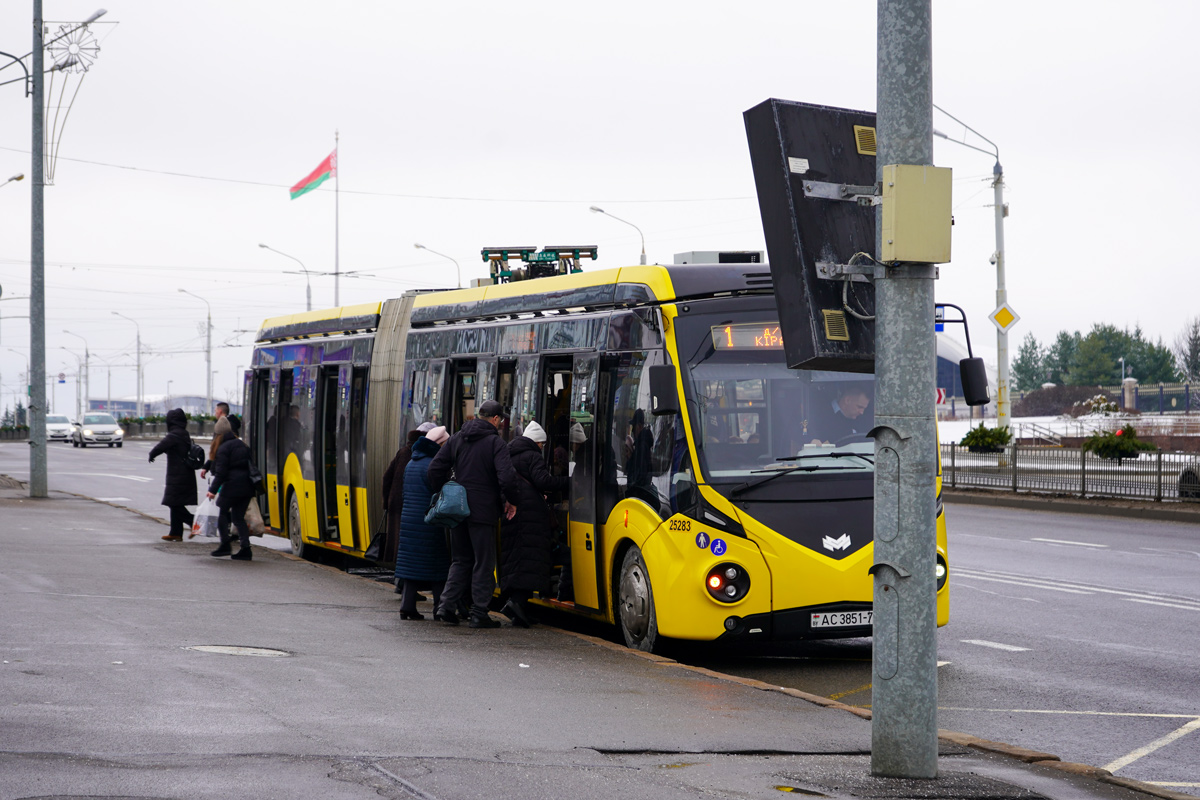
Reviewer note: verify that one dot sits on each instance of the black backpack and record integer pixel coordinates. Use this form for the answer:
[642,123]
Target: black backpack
[195,457]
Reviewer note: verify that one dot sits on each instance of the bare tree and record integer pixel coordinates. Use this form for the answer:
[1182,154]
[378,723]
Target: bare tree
[1187,350]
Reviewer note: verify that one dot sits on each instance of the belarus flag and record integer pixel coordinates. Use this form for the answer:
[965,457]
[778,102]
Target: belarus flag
[318,176]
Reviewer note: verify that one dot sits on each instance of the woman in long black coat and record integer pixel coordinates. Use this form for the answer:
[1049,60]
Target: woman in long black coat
[234,492]
[393,493]
[422,557]
[526,540]
[180,490]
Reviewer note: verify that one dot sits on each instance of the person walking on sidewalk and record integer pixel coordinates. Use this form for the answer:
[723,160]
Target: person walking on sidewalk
[220,428]
[180,489]
[233,489]
[479,460]
[526,540]
[421,554]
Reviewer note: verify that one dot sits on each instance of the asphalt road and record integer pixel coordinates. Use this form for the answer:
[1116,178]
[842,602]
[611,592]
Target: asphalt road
[122,476]
[1069,634]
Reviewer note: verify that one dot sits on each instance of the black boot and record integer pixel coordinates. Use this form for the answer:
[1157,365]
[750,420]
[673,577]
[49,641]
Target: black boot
[243,554]
[223,550]
[514,609]
[446,616]
[481,619]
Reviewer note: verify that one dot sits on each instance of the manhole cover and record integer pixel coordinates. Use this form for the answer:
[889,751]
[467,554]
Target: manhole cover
[234,650]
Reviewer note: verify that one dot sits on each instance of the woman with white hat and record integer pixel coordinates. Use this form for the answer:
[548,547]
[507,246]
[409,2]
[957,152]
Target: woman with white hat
[526,540]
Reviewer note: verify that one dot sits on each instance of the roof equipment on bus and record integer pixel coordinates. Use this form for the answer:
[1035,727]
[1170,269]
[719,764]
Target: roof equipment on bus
[551,260]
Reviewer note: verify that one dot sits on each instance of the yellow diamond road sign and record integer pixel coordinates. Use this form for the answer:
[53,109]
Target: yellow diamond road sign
[1004,318]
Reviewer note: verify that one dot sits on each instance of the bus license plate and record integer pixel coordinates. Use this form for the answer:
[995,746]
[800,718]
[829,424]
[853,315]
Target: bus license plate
[842,619]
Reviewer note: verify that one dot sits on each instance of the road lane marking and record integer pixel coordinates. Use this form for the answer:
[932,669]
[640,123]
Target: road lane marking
[960,574]
[1158,603]
[138,478]
[1070,713]
[113,499]
[1055,584]
[1065,541]
[1012,648]
[1157,744]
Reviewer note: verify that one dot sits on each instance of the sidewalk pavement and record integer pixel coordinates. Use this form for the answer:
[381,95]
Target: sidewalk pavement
[327,693]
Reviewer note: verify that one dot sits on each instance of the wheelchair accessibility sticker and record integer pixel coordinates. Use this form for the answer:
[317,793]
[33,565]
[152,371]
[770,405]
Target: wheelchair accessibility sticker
[702,540]
[718,547]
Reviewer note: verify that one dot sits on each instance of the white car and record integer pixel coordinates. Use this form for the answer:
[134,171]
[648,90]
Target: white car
[58,429]
[98,429]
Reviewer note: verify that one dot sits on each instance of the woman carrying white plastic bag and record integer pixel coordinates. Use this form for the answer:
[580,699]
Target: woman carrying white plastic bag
[205,522]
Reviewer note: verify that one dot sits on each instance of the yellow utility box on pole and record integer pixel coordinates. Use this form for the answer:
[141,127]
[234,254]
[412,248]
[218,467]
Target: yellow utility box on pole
[916,214]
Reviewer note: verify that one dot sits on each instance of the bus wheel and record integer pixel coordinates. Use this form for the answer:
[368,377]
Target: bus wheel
[635,603]
[299,547]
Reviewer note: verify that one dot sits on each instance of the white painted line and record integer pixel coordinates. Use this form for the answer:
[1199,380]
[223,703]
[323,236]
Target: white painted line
[1012,648]
[113,499]
[138,478]
[944,663]
[1156,603]
[1053,583]
[1125,761]
[1064,541]
[959,574]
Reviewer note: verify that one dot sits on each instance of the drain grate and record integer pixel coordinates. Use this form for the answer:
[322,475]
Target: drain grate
[235,650]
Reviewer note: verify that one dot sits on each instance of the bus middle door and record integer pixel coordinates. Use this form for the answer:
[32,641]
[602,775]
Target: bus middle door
[581,526]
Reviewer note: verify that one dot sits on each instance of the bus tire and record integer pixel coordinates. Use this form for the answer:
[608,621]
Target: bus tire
[295,534]
[635,603]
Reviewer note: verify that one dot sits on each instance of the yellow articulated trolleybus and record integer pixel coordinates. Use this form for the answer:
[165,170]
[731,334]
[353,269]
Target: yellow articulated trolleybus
[714,493]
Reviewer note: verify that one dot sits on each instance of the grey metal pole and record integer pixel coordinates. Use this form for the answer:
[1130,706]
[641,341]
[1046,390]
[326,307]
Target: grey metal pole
[1002,396]
[38,482]
[904,691]
[208,360]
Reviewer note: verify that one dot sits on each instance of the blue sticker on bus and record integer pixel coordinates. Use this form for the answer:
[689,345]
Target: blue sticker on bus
[718,547]
[702,540]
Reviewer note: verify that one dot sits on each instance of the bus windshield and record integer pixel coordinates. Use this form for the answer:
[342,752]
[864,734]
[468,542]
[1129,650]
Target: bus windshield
[751,416]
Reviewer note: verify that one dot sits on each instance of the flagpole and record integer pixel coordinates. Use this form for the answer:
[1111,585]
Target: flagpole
[336,222]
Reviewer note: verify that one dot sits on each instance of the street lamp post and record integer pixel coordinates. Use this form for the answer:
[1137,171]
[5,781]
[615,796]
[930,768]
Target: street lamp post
[1001,211]
[443,255]
[207,349]
[598,210]
[87,369]
[20,176]
[307,282]
[35,90]
[140,410]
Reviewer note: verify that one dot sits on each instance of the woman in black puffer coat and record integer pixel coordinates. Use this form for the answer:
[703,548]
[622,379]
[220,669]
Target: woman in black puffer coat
[180,488]
[526,540]
[422,556]
[234,491]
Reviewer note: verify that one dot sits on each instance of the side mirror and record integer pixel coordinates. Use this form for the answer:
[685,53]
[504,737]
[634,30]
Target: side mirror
[974,381]
[664,398]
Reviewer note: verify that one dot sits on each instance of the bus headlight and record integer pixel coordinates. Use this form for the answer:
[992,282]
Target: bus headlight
[941,573]
[727,583]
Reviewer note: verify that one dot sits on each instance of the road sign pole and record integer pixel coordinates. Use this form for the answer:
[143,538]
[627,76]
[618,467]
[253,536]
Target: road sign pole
[38,477]
[904,689]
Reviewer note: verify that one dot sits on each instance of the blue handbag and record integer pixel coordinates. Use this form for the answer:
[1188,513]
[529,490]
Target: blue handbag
[448,508]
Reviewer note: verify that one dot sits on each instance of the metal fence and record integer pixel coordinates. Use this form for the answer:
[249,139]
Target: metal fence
[1159,476]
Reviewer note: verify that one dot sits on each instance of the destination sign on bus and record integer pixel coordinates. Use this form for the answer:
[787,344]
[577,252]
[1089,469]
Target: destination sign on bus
[748,336]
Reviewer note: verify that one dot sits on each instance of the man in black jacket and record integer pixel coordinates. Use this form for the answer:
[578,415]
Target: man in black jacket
[479,460]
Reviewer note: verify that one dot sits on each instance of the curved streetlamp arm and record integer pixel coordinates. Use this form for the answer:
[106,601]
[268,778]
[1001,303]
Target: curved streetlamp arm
[995,151]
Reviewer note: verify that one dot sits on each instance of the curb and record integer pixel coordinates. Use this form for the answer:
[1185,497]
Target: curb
[1097,506]
[1022,754]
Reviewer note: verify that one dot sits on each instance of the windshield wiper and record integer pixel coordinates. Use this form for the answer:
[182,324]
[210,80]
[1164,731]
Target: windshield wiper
[839,454]
[745,487]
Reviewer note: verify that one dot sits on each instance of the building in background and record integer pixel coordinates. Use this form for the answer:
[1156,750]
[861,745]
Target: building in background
[159,404]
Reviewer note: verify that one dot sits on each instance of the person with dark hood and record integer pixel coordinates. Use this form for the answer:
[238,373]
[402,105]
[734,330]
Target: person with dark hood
[180,489]
[527,539]
[479,460]
[393,492]
[421,555]
[234,490]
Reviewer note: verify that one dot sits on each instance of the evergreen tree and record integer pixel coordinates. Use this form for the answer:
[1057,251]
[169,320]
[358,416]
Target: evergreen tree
[1060,356]
[1187,351]
[1092,365]
[1028,371]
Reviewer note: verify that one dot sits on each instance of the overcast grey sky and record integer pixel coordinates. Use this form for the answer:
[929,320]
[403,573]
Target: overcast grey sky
[477,124]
